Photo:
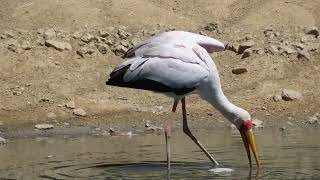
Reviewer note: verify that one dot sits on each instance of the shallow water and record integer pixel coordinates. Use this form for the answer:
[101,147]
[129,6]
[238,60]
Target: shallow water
[294,154]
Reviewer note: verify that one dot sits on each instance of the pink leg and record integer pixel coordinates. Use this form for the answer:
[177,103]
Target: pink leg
[167,133]
[187,131]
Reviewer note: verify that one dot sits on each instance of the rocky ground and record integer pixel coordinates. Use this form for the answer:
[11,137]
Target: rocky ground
[55,57]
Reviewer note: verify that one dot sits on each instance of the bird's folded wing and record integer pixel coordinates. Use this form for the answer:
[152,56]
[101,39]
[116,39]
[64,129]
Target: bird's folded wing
[210,44]
[168,71]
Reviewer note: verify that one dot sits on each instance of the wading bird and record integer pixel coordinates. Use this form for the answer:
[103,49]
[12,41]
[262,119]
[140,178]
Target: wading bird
[177,63]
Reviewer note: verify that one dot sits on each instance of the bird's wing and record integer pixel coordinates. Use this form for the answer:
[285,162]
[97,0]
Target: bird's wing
[210,44]
[173,73]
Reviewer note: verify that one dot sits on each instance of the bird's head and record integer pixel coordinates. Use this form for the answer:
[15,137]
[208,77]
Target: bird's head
[243,122]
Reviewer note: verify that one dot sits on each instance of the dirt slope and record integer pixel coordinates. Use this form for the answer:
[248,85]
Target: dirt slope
[41,79]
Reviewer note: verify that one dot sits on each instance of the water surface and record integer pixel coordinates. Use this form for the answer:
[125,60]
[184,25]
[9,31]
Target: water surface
[294,154]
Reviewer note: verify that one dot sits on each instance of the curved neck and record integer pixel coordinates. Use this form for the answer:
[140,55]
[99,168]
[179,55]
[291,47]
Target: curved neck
[212,92]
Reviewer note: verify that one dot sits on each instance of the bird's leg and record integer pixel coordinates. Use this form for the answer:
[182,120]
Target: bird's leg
[188,132]
[167,133]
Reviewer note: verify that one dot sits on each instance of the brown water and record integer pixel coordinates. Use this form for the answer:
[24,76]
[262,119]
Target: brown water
[294,154]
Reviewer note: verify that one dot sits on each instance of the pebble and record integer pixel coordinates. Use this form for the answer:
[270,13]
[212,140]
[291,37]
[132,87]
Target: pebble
[13,45]
[104,33]
[304,54]
[312,31]
[312,120]
[288,50]
[2,140]
[102,48]
[9,33]
[212,26]
[122,34]
[247,53]
[25,45]
[120,50]
[49,34]
[233,47]
[239,70]
[70,105]
[43,126]
[283,128]
[273,49]
[277,98]
[290,95]
[60,46]
[77,34]
[245,45]
[79,112]
[87,38]
[85,50]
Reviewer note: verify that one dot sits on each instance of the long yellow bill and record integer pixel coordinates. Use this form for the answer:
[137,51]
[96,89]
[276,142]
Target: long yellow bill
[248,141]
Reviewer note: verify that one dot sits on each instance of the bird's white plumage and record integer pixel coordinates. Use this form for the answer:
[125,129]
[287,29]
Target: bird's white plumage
[174,62]
[210,44]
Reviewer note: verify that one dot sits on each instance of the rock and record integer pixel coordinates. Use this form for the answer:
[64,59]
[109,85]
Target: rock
[313,120]
[103,33]
[289,123]
[13,45]
[245,45]
[17,93]
[304,39]
[87,38]
[247,53]
[109,42]
[79,112]
[288,50]
[40,41]
[9,34]
[277,98]
[239,70]
[51,115]
[312,31]
[304,54]
[77,35]
[147,125]
[60,46]
[70,105]
[2,140]
[122,34]
[85,50]
[120,50]
[43,126]
[283,128]
[299,46]
[258,51]
[212,27]
[102,48]
[273,49]
[25,45]
[49,34]
[290,95]
[111,130]
[233,47]
[248,37]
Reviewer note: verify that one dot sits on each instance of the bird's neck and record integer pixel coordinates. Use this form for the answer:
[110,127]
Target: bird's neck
[215,96]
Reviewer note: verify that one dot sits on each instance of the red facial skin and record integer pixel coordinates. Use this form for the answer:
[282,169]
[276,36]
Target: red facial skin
[246,126]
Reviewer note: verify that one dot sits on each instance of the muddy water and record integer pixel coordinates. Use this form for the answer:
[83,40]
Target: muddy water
[294,154]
